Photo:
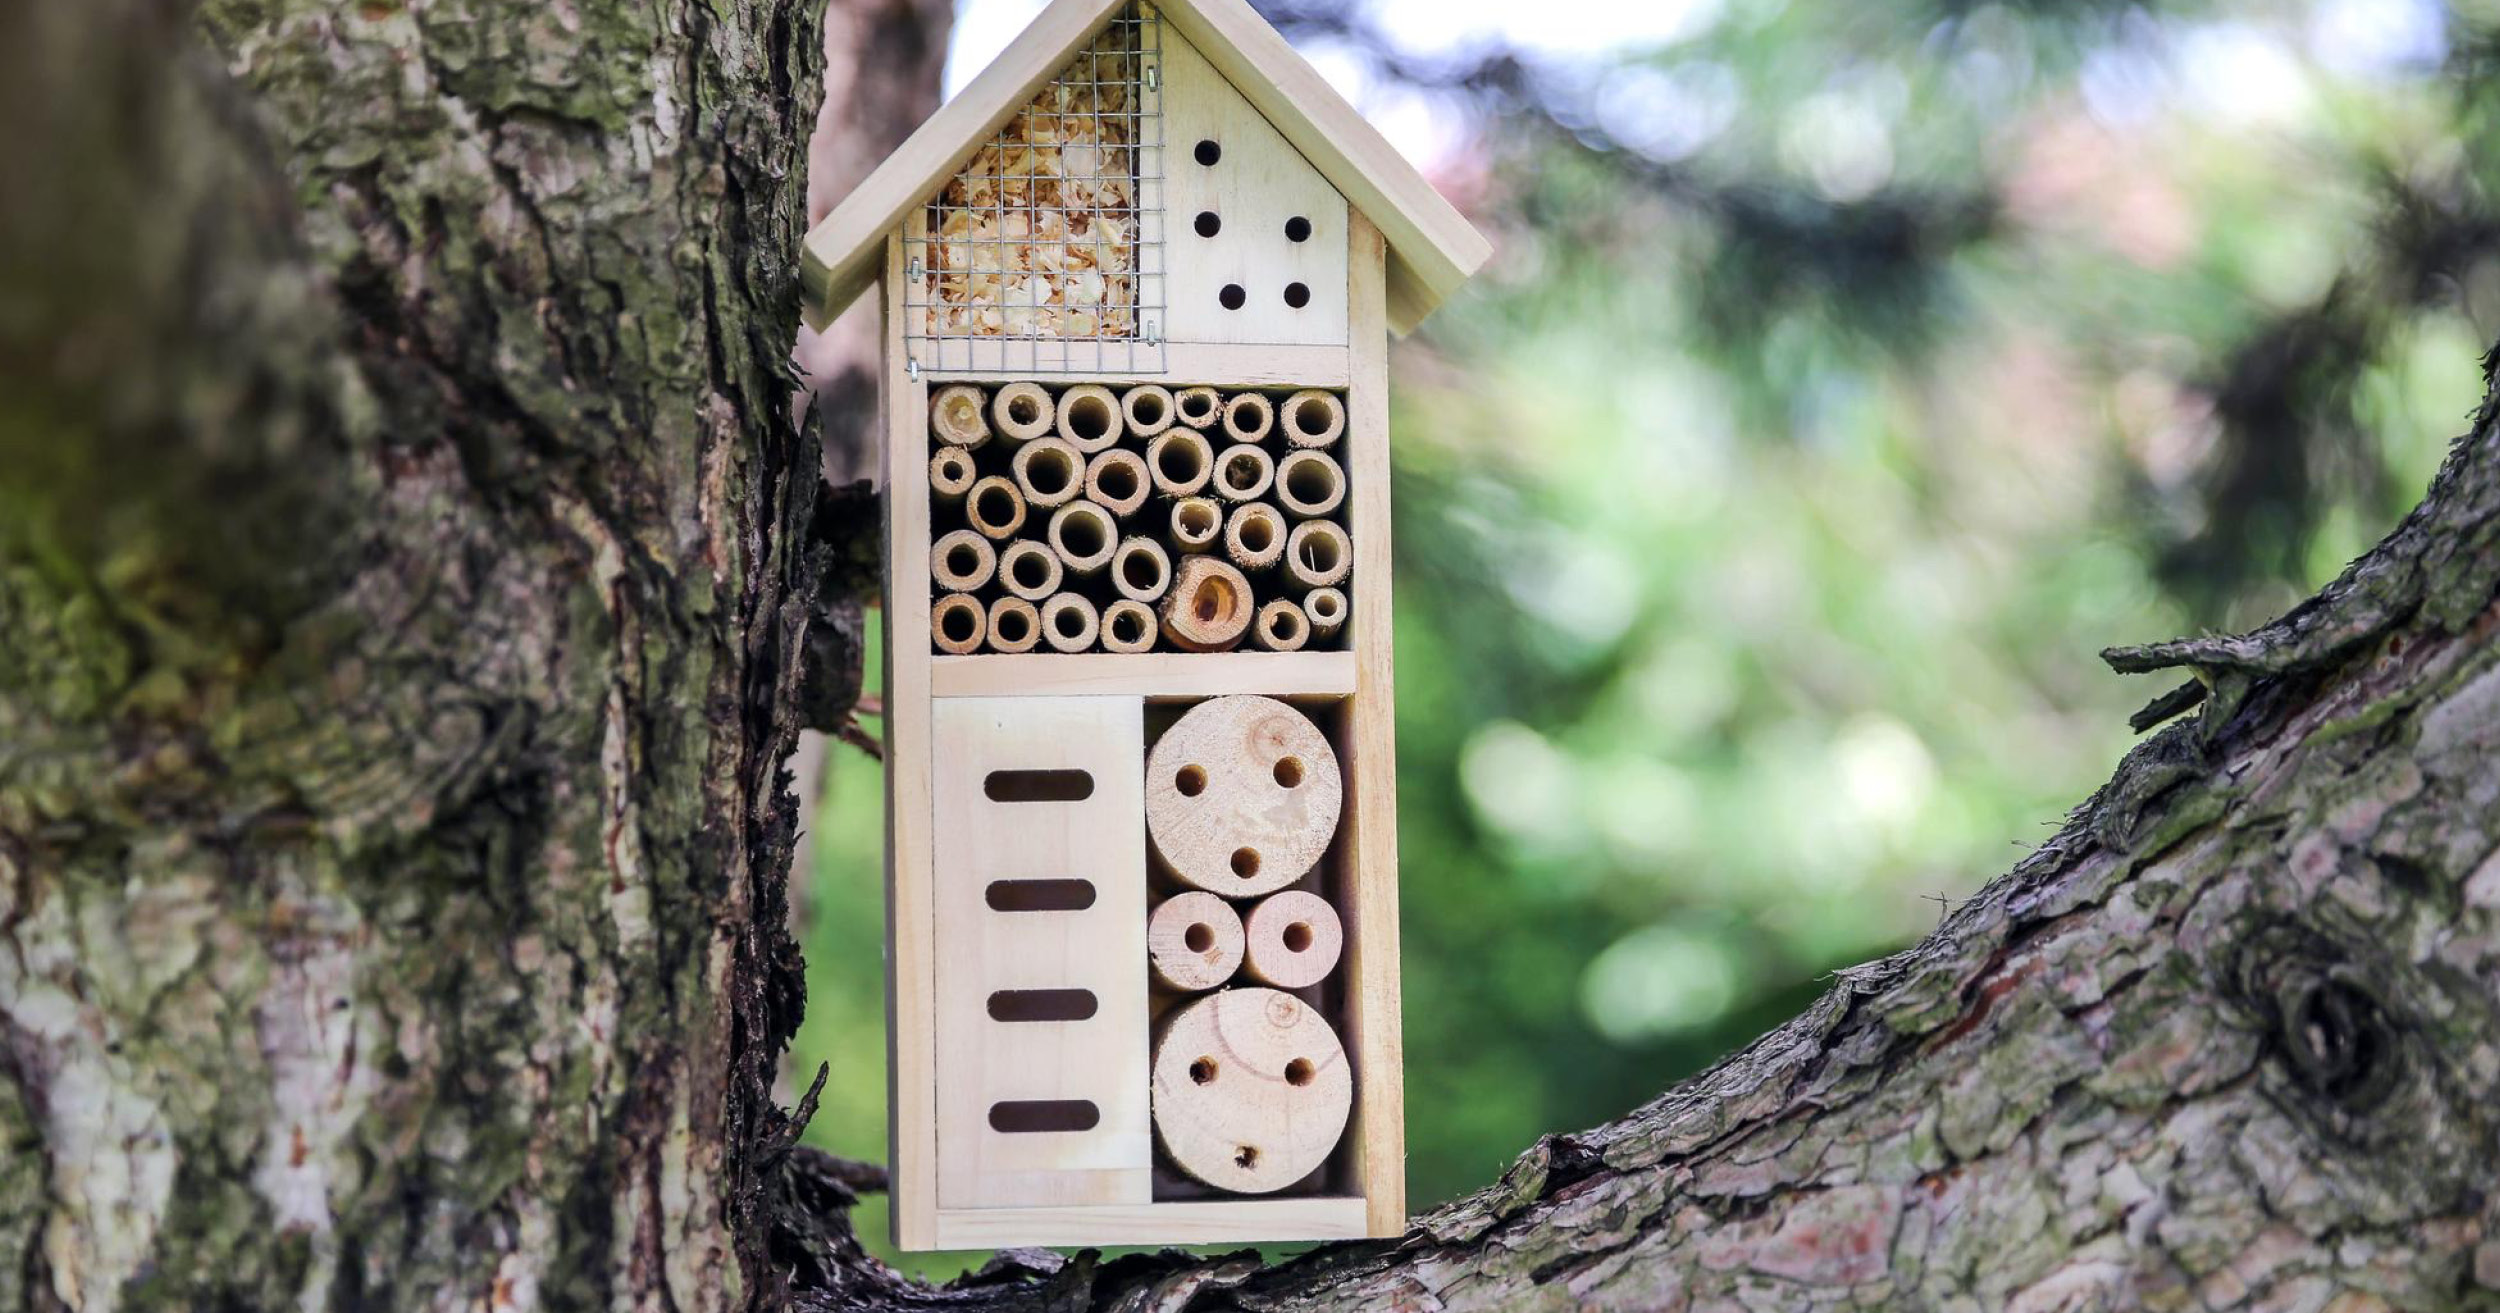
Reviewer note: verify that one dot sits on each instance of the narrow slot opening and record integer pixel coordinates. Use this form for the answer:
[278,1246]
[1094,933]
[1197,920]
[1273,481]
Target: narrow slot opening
[1037,785]
[1039,895]
[1042,1005]
[1026,1116]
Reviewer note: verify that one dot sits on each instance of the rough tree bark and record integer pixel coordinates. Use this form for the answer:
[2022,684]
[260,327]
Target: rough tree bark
[405,564]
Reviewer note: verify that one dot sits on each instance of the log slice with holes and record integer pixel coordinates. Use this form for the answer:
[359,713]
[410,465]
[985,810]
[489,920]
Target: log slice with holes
[1251,1090]
[1194,941]
[1242,796]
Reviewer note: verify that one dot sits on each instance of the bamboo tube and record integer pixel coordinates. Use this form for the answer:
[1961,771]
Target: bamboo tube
[1117,479]
[955,416]
[1249,417]
[995,508]
[1089,417]
[1325,608]
[1197,523]
[1294,938]
[1049,472]
[1128,625]
[1197,407]
[1318,554]
[1242,796]
[1280,627]
[1083,537]
[1069,622]
[1194,941]
[1141,570]
[1313,418]
[951,474]
[1181,461]
[1029,570]
[1252,1090]
[1014,625]
[1309,484]
[1254,536]
[1147,408]
[1208,607]
[1022,411]
[1243,473]
[957,623]
[962,561]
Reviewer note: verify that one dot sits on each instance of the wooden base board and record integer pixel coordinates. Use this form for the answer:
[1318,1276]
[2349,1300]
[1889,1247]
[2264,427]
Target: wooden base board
[1214,1222]
[1145,674]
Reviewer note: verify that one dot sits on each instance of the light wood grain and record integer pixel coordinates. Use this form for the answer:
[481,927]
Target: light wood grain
[1209,606]
[1292,939]
[1128,625]
[1242,796]
[1153,674]
[1212,1222]
[1195,941]
[1280,626]
[1251,1089]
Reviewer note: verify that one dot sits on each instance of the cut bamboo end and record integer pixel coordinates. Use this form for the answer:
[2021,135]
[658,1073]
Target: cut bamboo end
[957,624]
[1128,625]
[1147,408]
[1181,461]
[1249,417]
[1194,941]
[951,474]
[1252,1090]
[1295,939]
[1014,625]
[1280,627]
[955,416]
[1118,480]
[1141,570]
[1243,473]
[1022,411]
[1208,607]
[1089,417]
[1313,419]
[1029,570]
[1325,608]
[1309,484]
[1199,408]
[1242,796]
[995,508]
[962,561]
[1083,537]
[1049,472]
[1254,536]
[1070,622]
[1197,524]
[1318,554]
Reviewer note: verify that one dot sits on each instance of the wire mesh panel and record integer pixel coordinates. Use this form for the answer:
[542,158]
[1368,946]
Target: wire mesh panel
[1045,254]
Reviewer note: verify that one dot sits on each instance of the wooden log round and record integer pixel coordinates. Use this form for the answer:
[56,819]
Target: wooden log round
[1128,625]
[1181,461]
[1249,417]
[1243,472]
[1309,484]
[1197,525]
[1147,408]
[1118,480]
[1325,608]
[1070,622]
[1049,472]
[1089,418]
[1251,1090]
[1254,536]
[957,623]
[1014,625]
[1194,941]
[1242,796]
[955,416]
[1022,411]
[951,474]
[1280,627]
[1318,554]
[962,561]
[1199,408]
[1141,570]
[1209,606]
[1029,570]
[1313,418]
[1294,939]
[995,508]
[1083,536]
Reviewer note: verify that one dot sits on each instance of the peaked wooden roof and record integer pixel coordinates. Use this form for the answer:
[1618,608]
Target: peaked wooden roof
[1432,248]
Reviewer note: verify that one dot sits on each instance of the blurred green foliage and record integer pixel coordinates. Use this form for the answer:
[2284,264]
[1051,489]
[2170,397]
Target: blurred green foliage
[1850,373]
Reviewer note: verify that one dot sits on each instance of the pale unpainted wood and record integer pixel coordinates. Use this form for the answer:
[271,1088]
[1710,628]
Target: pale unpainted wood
[982,1060]
[1251,1089]
[1292,939]
[1242,796]
[1150,674]
[1194,940]
[1221,365]
[1211,1222]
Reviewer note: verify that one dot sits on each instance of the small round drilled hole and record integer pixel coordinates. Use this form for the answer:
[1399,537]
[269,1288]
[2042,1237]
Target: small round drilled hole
[1232,297]
[1297,229]
[1297,295]
[1199,937]
[1299,1072]
[1288,772]
[1298,939]
[1202,1071]
[1208,223]
[1246,1158]
[1246,862]
[1207,152]
[959,624]
[1191,781]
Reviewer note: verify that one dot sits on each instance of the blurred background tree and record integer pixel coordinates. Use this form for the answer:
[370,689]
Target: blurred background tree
[1850,372]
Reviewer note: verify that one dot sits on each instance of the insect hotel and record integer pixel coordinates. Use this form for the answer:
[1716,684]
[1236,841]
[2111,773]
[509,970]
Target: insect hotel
[1138,282]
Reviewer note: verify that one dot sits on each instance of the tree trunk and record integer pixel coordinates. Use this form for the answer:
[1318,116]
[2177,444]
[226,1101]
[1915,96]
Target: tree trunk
[405,563]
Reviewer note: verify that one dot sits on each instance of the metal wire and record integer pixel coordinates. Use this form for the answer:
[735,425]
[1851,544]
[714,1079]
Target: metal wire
[1045,254]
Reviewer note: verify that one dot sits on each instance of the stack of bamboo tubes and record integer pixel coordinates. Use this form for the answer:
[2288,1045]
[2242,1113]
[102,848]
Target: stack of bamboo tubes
[1144,519]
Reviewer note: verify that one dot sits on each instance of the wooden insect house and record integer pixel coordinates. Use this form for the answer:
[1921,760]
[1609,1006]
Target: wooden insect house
[1139,279]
